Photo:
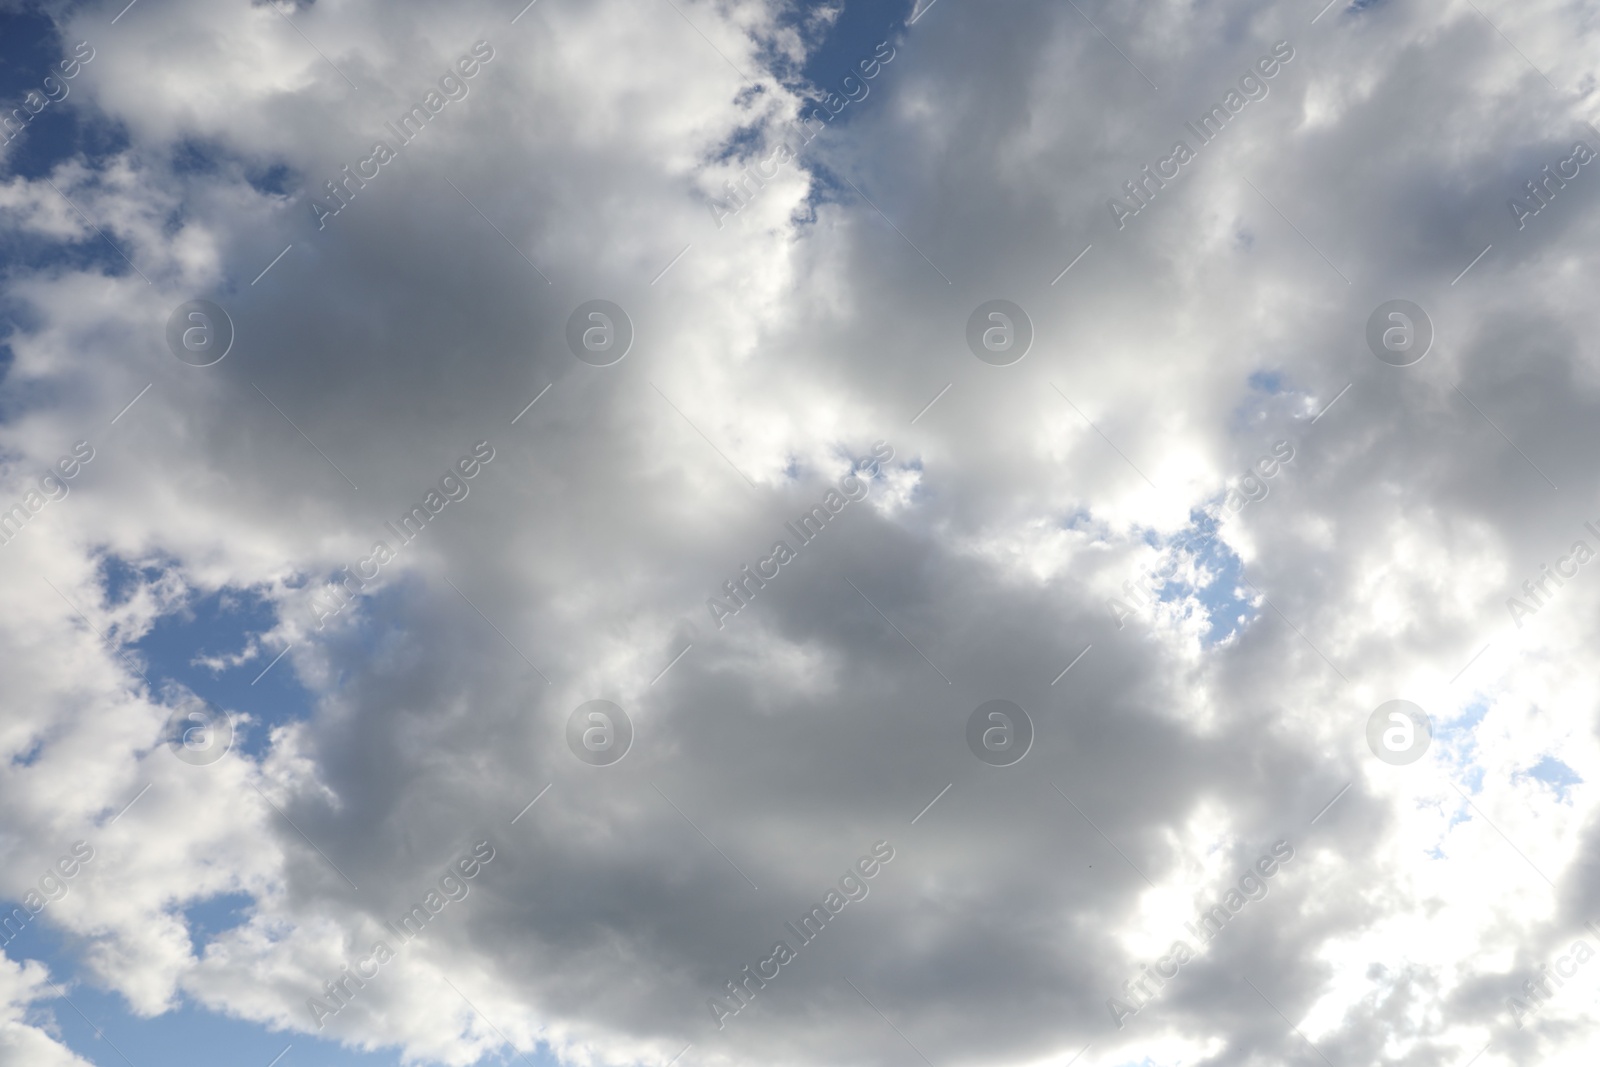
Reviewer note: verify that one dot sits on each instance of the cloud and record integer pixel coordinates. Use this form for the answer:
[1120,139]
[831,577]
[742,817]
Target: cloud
[770,354]
[22,1041]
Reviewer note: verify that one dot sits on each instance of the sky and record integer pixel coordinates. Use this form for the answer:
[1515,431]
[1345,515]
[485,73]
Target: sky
[693,533]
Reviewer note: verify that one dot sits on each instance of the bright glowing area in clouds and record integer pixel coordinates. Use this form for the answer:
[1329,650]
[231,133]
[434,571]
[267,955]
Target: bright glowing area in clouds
[722,532]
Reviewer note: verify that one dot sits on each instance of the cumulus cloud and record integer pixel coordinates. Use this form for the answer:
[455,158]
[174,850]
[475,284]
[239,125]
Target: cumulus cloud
[21,1039]
[1199,532]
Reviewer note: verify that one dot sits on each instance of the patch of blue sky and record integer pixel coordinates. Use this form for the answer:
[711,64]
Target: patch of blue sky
[1456,738]
[190,156]
[840,47]
[1270,382]
[1452,804]
[28,44]
[275,179]
[1082,520]
[1218,587]
[837,36]
[827,187]
[30,49]
[121,579]
[43,136]
[195,158]
[206,919]
[194,646]
[793,471]
[858,463]
[90,253]
[743,145]
[1460,813]
[850,38]
[372,629]
[1554,773]
[1272,401]
[30,755]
